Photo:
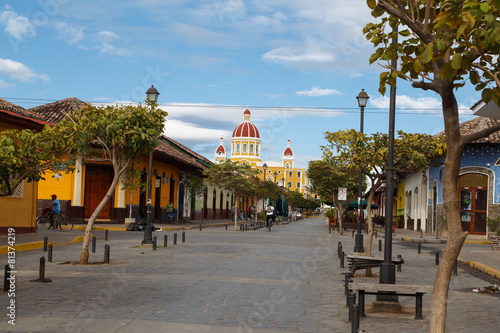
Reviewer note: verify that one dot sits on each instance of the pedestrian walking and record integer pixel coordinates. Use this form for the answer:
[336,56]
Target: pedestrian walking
[56,210]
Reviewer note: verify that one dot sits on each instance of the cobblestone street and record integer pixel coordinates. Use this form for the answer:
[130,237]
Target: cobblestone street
[225,281]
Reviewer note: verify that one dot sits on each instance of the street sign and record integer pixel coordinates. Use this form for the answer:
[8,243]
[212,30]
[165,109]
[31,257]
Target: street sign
[342,193]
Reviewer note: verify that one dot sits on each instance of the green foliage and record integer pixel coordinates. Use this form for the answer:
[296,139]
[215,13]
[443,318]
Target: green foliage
[454,40]
[356,150]
[237,178]
[26,155]
[494,225]
[295,199]
[330,212]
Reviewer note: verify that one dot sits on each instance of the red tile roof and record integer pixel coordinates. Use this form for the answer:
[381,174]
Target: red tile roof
[477,124]
[56,111]
[8,106]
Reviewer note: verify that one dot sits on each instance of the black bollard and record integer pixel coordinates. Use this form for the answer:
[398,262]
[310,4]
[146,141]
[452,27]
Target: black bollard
[106,234]
[421,233]
[437,257]
[399,265]
[419,247]
[45,242]
[342,259]
[175,239]
[355,318]
[49,255]
[184,237]
[340,251]
[6,277]
[455,268]
[226,227]
[201,227]
[154,243]
[347,278]
[106,253]
[94,240]
[351,300]
[41,275]
[165,240]
[379,245]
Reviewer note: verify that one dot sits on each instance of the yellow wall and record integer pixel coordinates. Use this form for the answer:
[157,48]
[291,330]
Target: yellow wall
[401,198]
[20,212]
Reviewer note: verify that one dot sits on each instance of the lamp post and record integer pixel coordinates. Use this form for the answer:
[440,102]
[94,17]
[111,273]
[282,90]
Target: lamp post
[264,167]
[388,268]
[358,241]
[152,95]
[275,174]
[283,198]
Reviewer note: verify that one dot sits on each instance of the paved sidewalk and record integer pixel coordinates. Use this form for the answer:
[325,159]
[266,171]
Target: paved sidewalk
[258,281]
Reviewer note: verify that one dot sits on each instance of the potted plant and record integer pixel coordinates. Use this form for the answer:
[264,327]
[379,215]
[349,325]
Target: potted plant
[330,213]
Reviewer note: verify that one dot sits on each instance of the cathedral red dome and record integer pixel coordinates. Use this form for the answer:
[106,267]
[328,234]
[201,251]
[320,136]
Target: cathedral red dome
[246,129]
[288,151]
[220,150]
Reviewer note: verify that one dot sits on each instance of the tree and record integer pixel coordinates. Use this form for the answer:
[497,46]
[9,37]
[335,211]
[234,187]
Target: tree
[26,155]
[444,42]
[327,176]
[193,186]
[113,134]
[368,153]
[230,175]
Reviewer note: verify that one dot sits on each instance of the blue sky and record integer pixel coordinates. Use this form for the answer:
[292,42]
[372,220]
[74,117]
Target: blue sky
[297,65]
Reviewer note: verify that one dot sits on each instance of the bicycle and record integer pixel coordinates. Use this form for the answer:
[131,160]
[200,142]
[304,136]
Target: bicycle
[45,221]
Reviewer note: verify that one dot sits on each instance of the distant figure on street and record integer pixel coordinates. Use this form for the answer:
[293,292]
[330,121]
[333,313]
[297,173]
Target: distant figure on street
[170,212]
[56,210]
[269,214]
[233,213]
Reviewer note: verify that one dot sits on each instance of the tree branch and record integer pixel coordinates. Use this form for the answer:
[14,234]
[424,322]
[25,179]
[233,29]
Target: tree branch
[466,139]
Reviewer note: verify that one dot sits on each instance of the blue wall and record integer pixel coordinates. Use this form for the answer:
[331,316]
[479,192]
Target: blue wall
[473,156]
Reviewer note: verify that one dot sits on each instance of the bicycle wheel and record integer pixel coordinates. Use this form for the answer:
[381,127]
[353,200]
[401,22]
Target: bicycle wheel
[43,222]
[67,222]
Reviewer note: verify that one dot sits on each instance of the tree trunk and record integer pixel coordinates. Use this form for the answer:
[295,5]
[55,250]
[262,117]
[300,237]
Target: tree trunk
[235,211]
[84,255]
[456,235]
[369,238]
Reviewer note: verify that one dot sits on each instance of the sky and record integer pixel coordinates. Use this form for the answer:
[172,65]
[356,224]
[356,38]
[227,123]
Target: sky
[296,65]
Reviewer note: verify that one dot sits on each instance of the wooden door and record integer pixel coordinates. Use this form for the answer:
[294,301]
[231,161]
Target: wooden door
[98,179]
[473,209]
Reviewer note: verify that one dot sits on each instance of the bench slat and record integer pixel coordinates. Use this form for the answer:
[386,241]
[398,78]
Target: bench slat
[374,287]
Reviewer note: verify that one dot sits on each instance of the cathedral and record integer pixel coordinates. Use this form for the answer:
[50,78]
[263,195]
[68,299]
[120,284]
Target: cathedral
[246,149]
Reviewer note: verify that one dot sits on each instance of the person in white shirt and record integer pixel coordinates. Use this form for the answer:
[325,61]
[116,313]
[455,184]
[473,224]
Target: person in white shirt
[269,214]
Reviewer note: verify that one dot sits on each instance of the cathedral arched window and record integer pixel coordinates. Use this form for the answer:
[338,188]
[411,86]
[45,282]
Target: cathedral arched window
[237,148]
[287,165]
[257,149]
[244,148]
[251,148]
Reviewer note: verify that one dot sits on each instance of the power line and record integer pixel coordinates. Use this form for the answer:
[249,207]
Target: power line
[303,109]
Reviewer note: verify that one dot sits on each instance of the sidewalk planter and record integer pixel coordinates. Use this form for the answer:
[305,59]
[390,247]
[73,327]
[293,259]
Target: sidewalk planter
[495,242]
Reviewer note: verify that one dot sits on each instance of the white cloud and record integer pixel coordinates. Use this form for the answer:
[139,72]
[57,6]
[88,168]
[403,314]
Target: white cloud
[317,91]
[17,26]
[107,36]
[232,10]
[185,131]
[290,55]
[70,34]
[415,105]
[4,84]
[20,72]
[355,74]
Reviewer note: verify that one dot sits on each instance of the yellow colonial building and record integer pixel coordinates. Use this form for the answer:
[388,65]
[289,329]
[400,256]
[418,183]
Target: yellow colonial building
[246,150]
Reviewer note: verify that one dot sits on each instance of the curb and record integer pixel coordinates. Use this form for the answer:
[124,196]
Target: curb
[482,268]
[36,245]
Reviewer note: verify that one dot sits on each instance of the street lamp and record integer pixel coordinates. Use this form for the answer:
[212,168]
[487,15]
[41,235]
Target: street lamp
[275,174]
[358,241]
[264,167]
[152,95]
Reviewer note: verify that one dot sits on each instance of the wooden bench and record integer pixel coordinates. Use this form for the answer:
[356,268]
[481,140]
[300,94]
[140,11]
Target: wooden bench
[416,291]
[354,226]
[355,262]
